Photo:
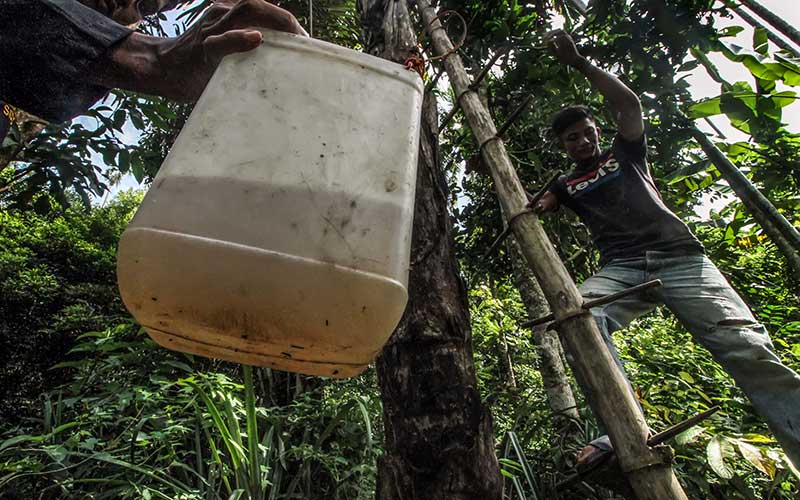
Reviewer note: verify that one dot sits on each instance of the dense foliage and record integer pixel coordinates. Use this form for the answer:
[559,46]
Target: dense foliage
[123,418]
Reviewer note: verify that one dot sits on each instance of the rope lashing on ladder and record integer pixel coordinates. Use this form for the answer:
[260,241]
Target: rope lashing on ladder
[532,202]
[473,86]
[589,304]
[417,62]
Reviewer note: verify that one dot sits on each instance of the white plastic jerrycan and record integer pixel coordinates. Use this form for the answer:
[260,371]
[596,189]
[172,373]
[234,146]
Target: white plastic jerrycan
[277,232]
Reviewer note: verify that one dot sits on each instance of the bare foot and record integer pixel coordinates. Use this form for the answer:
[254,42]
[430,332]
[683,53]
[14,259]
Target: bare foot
[594,452]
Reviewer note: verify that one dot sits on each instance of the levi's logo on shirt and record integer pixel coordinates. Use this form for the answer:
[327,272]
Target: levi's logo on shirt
[607,170]
[7,117]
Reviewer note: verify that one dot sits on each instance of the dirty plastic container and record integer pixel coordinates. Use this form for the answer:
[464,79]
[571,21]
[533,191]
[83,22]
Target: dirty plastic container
[277,232]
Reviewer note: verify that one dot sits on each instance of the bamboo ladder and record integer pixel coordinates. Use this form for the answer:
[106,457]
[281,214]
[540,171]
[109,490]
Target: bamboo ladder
[648,470]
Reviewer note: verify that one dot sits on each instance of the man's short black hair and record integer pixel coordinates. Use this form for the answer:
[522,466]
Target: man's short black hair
[569,116]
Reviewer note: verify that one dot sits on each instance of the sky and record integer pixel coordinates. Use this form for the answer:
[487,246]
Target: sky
[701,86]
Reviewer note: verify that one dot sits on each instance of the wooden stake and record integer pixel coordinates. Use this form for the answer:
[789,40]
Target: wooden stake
[599,301]
[485,71]
[645,469]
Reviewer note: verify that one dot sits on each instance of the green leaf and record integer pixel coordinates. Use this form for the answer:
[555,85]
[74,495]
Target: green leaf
[506,473]
[758,438]
[761,66]
[730,31]
[154,474]
[760,41]
[234,448]
[137,169]
[20,439]
[119,119]
[687,171]
[253,452]
[753,455]
[63,427]
[704,108]
[686,377]
[530,477]
[688,66]
[716,451]
[108,155]
[69,364]
[791,74]
[179,365]
[783,99]
[367,424]
[124,161]
[136,119]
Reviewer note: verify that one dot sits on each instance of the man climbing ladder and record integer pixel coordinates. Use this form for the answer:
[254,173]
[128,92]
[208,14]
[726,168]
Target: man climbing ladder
[640,239]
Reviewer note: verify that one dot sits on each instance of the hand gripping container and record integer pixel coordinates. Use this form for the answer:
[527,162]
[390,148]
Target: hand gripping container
[277,232]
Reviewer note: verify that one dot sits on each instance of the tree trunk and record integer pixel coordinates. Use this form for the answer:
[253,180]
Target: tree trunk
[648,470]
[439,442]
[779,230]
[554,377]
[506,362]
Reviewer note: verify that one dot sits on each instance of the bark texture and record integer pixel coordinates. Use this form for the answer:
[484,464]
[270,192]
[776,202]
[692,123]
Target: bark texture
[551,365]
[439,441]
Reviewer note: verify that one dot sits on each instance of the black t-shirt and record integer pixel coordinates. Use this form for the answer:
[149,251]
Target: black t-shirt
[617,200]
[46,49]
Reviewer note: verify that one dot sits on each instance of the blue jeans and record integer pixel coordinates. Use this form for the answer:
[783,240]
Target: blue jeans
[706,305]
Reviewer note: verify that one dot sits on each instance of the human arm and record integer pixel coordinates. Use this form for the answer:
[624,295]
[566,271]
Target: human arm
[45,52]
[624,103]
[58,57]
[179,68]
[546,204]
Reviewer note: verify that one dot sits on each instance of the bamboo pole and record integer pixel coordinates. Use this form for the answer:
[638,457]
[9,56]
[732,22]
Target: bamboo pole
[779,230]
[579,6]
[647,469]
[776,22]
[752,21]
